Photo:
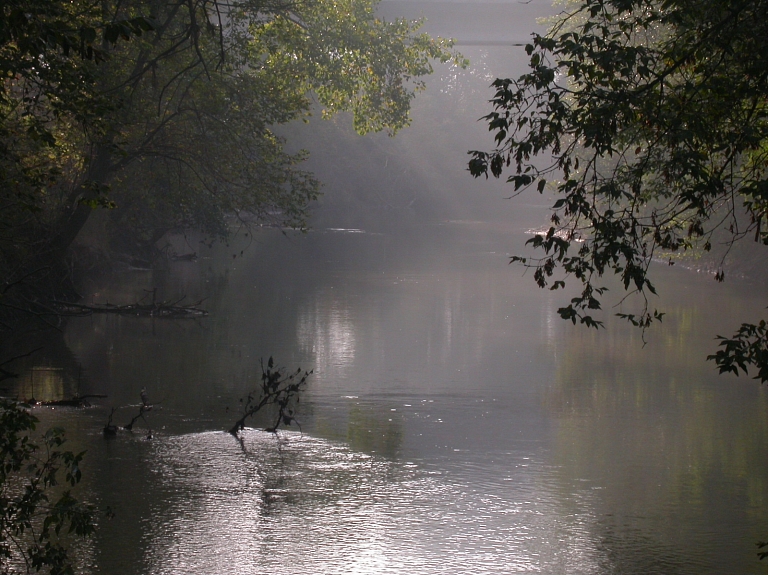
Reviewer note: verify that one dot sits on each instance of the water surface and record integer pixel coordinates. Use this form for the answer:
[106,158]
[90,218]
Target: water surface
[454,424]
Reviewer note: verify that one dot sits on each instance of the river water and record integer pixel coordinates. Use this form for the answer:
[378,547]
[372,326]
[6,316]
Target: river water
[453,423]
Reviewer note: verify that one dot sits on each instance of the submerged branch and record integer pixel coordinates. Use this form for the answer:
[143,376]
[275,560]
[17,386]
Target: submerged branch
[162,309]
[277,391]
[76,401]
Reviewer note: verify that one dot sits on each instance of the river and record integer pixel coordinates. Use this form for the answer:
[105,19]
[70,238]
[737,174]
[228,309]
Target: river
[453,423]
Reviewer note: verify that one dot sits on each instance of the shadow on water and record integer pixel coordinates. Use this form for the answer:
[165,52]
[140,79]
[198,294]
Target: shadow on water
[370,428]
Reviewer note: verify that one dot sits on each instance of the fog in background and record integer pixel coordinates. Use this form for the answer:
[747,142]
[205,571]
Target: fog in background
[376,182]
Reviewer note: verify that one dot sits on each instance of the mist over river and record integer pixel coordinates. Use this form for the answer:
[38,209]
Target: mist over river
[454,424]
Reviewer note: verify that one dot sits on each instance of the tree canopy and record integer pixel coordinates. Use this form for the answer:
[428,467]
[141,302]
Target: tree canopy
[166,111]
[654,114]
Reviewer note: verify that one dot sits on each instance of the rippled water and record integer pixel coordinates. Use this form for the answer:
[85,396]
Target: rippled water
[453,424]
[312,506]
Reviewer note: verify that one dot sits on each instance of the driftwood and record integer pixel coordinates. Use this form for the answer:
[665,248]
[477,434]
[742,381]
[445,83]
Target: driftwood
[142,410]
[77,401]
[110,429]
[160,309]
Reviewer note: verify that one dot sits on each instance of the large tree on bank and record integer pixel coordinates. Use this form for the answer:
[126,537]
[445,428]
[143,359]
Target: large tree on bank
[167,109]
[655,117]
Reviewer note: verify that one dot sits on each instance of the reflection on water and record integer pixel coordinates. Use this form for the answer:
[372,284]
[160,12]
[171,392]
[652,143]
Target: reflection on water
[305,505]
[373,431]
[326,331]
[45,382]
[657,423]
[453,424]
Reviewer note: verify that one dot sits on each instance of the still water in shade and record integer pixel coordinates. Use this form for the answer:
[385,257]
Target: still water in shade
[453,423]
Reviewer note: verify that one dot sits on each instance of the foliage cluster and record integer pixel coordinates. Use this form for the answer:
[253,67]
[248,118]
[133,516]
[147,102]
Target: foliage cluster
[654,116]
[279,392]
[35,514]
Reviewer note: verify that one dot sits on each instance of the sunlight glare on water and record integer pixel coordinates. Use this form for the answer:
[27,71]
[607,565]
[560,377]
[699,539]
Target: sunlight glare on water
[319,507]
[327,332]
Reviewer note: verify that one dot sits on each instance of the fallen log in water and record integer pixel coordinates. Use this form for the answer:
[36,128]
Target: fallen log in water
[162,309]
[77,401]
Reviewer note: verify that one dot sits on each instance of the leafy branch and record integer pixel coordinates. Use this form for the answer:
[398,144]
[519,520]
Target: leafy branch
[747,347]
[651,120]
[33,512]
[278,391]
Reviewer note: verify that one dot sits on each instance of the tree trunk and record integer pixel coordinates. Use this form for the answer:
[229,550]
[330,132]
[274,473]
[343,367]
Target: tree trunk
[76,215]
